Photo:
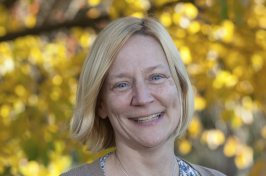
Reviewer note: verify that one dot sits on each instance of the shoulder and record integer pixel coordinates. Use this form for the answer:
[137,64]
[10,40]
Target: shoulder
[92,169]
[204,171]
[207,171]
[81,170]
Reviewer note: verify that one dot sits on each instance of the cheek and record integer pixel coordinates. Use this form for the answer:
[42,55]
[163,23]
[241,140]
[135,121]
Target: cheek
[167,90]
[169,95]
[116,104]
[172,83]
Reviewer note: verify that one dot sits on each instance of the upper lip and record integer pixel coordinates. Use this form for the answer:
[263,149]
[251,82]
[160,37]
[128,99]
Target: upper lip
[146,115]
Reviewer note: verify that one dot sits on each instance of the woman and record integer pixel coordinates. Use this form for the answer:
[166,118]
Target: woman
[134,94]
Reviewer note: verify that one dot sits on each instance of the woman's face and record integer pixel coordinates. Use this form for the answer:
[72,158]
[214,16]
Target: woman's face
[139,95]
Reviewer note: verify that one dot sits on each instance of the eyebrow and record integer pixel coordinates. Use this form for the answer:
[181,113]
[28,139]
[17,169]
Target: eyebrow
[149,69]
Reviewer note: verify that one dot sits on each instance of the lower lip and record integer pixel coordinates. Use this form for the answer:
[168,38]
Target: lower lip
[153,122]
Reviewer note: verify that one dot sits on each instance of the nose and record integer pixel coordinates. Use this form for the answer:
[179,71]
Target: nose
[141,95]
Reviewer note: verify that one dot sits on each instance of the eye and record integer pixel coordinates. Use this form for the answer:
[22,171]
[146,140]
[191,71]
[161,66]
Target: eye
[156,77]
[121,85]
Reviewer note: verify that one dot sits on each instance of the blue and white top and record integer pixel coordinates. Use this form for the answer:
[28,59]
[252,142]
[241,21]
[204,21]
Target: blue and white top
[184,168]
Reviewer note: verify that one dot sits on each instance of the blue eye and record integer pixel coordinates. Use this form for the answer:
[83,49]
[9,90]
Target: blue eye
[157,77]
[121,85]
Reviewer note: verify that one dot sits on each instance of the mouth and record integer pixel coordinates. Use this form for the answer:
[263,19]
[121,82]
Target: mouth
[148,118]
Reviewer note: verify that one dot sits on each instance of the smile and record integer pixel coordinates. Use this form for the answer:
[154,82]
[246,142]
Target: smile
[148,118]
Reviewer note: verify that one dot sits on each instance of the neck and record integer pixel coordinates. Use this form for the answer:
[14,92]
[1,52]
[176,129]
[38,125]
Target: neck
[145,161]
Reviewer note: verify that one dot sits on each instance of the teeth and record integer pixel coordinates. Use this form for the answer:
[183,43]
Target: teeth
[147,119]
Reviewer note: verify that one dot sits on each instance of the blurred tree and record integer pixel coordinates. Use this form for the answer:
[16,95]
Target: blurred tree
[44,43]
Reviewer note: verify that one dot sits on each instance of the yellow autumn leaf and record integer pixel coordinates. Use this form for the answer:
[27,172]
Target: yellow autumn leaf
[185,147]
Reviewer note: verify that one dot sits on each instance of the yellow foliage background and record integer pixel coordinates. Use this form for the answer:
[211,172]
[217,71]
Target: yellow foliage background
[222,43]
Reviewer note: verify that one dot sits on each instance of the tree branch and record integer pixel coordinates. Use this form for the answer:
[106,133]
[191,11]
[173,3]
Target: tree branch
[82,22]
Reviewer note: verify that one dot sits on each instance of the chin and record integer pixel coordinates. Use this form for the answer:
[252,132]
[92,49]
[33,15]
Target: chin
[155,142]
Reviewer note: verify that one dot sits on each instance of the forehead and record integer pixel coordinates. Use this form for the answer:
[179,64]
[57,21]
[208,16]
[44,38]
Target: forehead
[140,44]
[139,52]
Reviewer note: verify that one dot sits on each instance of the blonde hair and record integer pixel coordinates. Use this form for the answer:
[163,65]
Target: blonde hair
[86,126]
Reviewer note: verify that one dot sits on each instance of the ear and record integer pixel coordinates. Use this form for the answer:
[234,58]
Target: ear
[101,111]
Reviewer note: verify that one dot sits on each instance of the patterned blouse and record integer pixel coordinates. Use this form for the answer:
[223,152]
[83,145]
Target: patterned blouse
[184,168]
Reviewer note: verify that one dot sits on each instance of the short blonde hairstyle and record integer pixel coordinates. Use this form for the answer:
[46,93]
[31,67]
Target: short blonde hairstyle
[86,126]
